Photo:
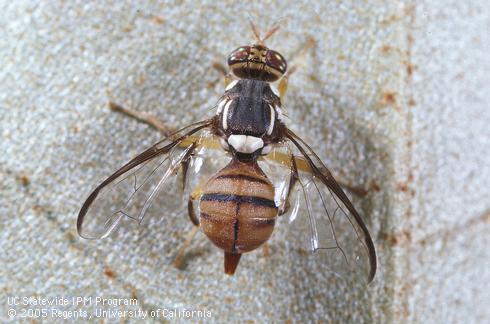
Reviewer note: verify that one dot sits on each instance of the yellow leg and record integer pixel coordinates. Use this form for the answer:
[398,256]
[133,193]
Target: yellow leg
[224,72]
[144,118]
[283,86]
[179,259]
[297,61]
[154,122]
[265,250]
[227,79]
[302,165]
[195,195]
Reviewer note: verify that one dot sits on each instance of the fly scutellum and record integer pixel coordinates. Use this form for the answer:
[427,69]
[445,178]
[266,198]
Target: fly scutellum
[237,207]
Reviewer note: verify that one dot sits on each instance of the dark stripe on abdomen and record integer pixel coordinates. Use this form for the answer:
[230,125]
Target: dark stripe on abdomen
[262,222]
[242,177]
[257,201]
[235,232]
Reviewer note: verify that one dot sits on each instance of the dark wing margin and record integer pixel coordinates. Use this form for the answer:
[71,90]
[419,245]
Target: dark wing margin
[321,172]
[130,190]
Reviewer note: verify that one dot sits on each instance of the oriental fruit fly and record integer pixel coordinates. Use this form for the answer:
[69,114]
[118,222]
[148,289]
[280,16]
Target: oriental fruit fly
[237,207]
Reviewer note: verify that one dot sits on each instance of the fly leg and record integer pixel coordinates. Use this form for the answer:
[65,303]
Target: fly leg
[298,163]
[265,250]
[297,61]
[144,118]
[179,259]
[157,124]
[293,178]
[227,77]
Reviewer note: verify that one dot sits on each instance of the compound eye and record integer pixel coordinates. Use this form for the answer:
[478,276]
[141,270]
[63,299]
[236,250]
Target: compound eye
[239,55]
[276,61]
[257,62]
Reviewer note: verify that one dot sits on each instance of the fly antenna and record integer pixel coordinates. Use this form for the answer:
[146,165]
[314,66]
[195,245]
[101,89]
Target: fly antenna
[256,32]
[270,32]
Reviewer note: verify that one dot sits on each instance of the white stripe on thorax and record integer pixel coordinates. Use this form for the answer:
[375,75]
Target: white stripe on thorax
[273,118]
[225,114]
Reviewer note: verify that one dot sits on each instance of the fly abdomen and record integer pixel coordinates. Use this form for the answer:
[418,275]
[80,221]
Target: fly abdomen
[237,206]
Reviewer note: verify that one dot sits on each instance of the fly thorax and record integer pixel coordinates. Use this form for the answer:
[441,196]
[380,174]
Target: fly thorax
[247,115]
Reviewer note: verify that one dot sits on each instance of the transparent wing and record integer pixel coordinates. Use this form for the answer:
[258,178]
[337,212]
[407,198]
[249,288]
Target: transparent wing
[319,209]
[129,192]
